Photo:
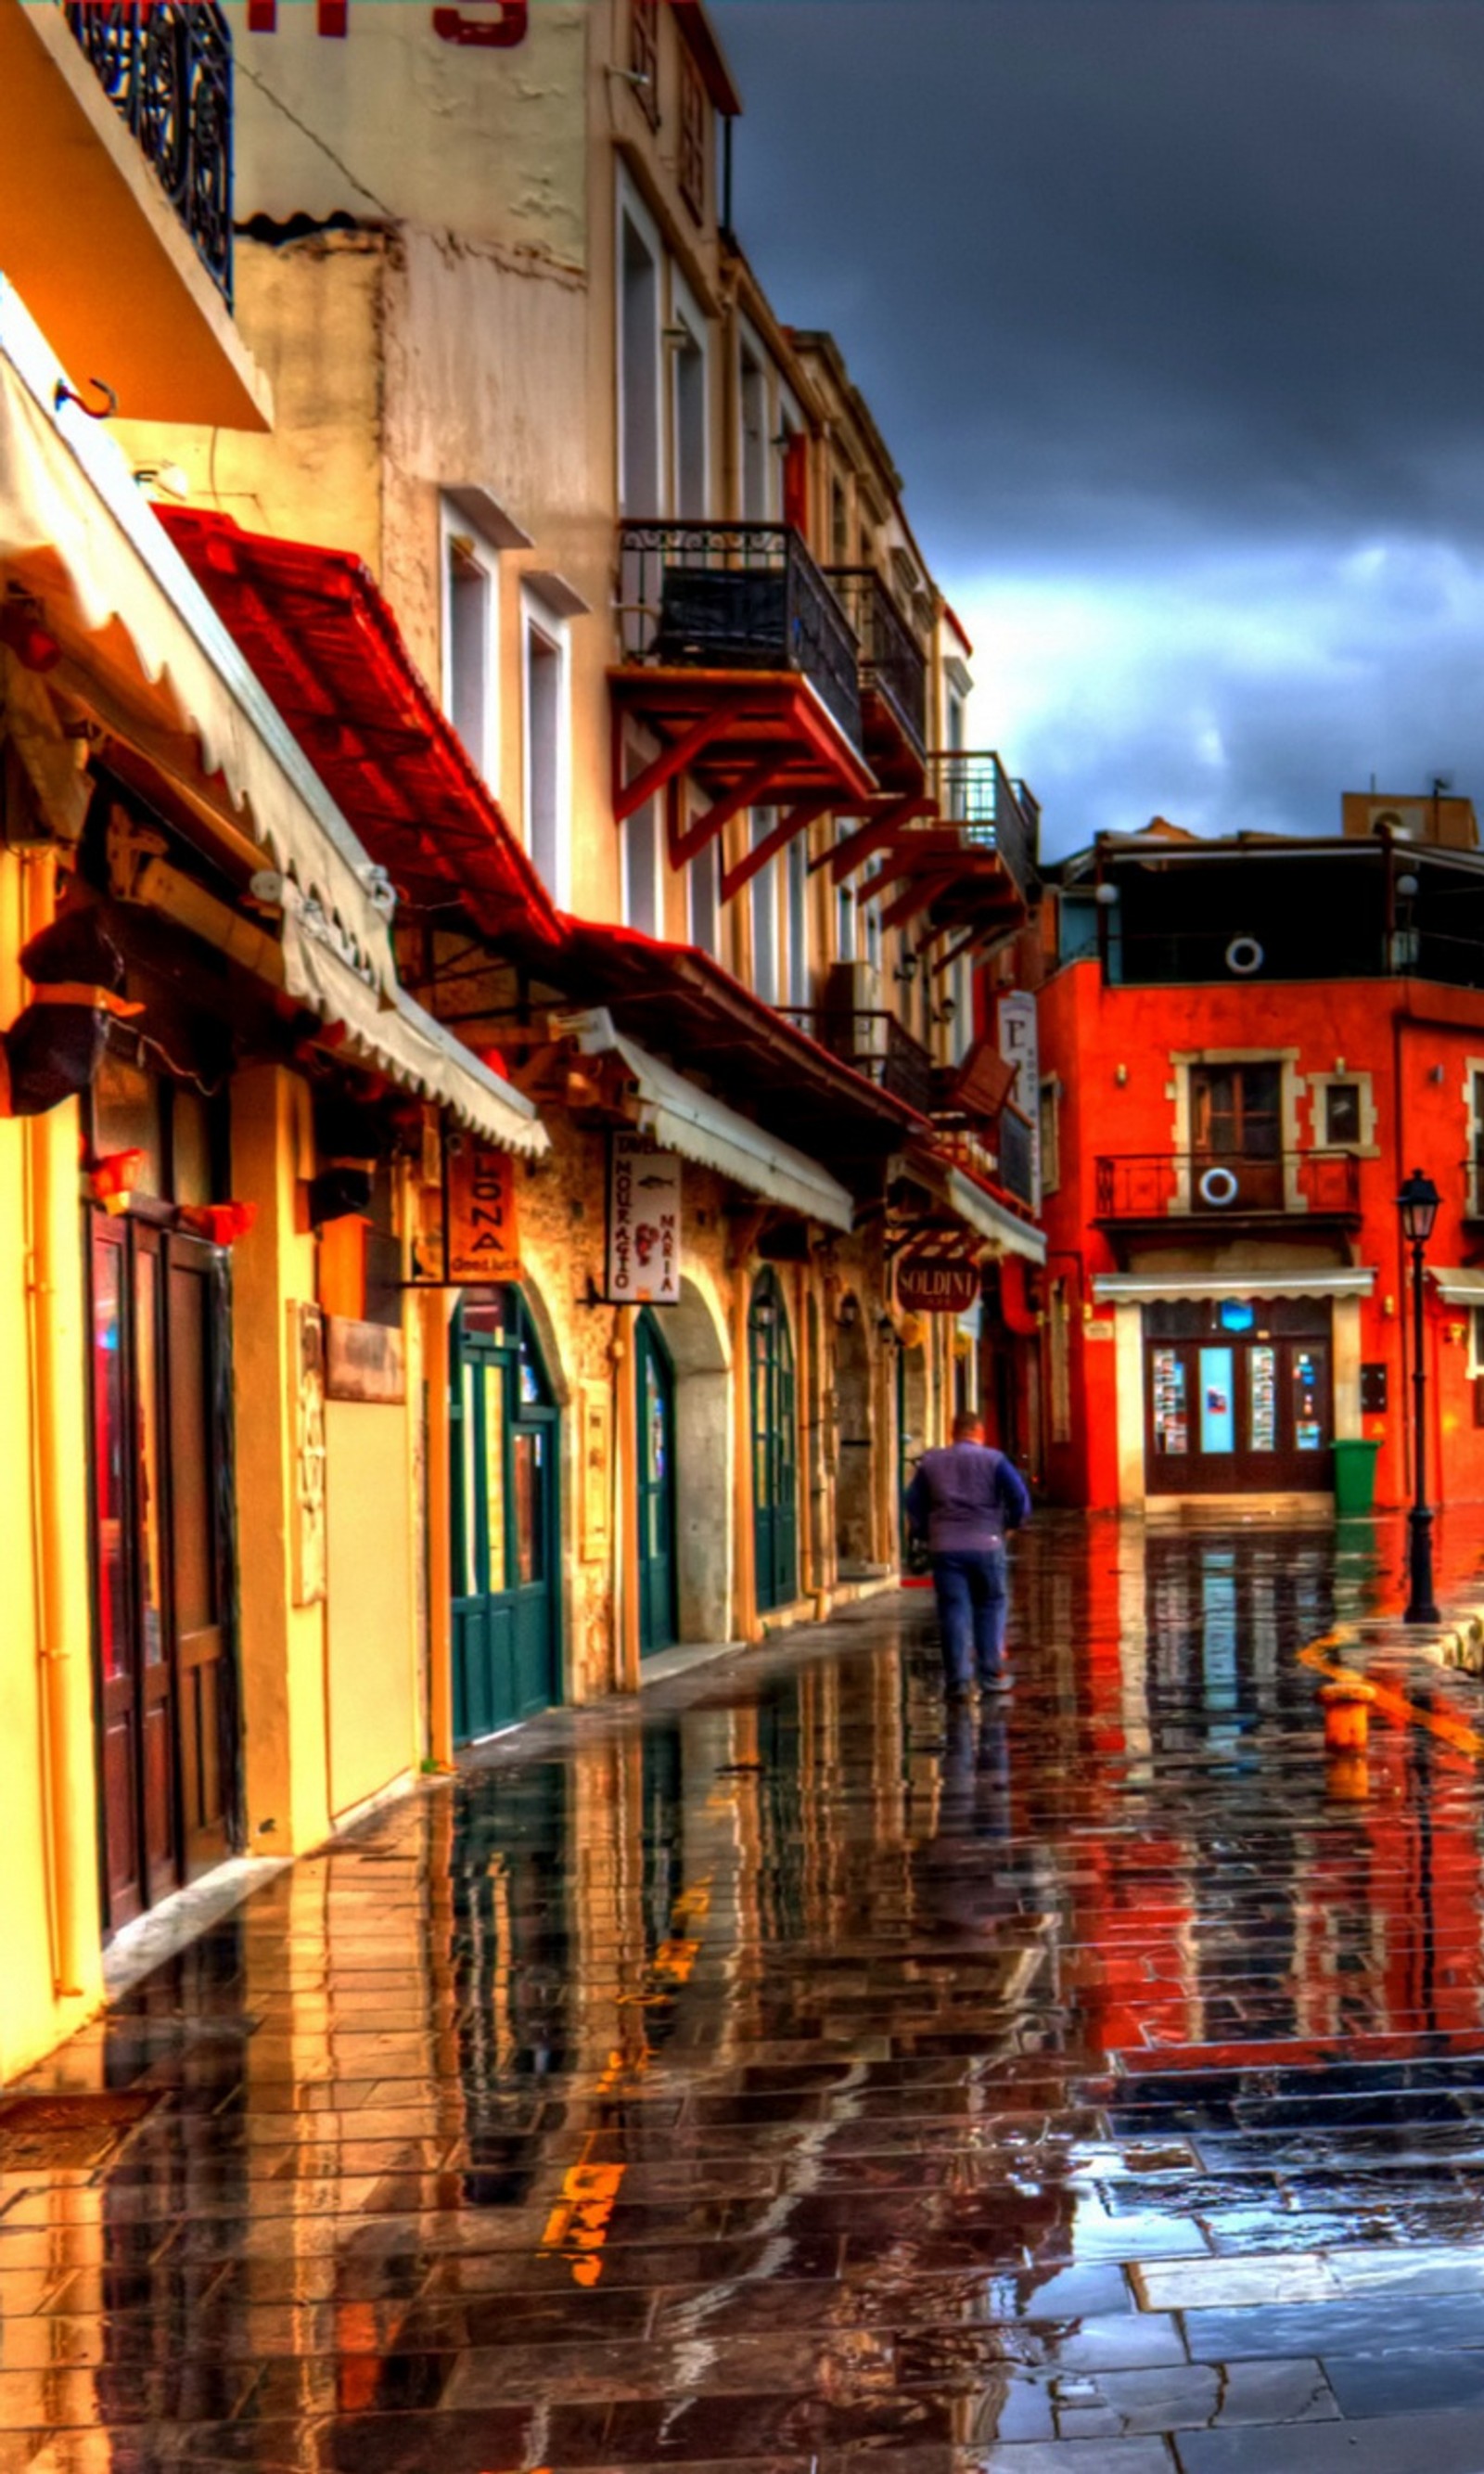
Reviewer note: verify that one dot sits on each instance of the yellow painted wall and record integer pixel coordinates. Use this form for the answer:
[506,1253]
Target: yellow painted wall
[49,1923]
[371,1676]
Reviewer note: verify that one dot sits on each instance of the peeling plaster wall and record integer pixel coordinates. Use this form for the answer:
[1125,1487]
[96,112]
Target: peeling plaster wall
[323,124]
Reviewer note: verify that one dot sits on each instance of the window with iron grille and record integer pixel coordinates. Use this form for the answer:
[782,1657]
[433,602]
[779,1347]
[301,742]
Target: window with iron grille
[690,170]
[644,56]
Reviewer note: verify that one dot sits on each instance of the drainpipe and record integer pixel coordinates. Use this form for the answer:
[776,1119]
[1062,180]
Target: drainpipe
[62,1590]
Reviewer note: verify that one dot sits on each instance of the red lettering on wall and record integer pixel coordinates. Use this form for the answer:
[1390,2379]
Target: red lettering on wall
[262,17]
[334,17]
[500,34]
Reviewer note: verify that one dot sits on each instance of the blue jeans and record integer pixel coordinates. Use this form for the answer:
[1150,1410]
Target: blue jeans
[971,1614]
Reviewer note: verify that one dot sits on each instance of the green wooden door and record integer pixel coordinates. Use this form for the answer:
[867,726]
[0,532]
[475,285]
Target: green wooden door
[656,1394]
[503,1491]
[774,1446]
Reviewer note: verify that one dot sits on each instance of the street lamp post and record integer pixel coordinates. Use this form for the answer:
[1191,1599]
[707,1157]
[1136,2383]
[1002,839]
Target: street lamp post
[1418,1203]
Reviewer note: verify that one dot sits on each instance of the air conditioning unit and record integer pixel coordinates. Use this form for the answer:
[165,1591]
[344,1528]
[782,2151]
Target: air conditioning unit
[854,1009]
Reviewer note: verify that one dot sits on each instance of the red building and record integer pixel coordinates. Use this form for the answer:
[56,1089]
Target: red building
[1244,1047]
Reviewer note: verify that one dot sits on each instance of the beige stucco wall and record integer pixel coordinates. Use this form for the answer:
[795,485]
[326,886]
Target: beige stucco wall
[369,1669]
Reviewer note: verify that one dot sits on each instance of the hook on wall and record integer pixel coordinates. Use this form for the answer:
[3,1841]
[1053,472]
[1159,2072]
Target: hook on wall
[105,411]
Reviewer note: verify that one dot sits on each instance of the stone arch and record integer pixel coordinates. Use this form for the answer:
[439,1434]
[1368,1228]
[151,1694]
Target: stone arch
[695,1335]
[855,1482]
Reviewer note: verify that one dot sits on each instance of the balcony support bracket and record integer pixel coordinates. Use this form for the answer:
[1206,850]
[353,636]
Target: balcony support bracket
[873,836]
[751,792]
[628,797]
[794,820]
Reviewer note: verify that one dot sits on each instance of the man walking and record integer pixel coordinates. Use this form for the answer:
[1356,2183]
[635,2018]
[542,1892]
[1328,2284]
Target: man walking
[964,1497]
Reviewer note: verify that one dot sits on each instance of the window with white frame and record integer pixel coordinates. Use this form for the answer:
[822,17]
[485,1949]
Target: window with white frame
[470,632]
[686,337]
[548,740]
[801,989]
[756,499]
[640,258]
[873,935]
[961,994]
[764,911]
[1343,1111]
[704,891]
[642,882]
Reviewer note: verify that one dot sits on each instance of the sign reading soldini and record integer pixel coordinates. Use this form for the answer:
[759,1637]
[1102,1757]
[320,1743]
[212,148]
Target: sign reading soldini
[946,1284]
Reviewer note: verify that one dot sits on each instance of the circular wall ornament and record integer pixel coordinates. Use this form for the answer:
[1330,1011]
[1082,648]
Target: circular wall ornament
[1219,1187]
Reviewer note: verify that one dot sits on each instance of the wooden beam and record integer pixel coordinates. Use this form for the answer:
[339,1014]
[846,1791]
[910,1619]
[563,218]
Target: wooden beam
[920,894]
[794,820]
[751,792]
[858,847]
[672,760]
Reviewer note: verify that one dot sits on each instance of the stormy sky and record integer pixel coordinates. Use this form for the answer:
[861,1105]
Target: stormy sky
[1173,314]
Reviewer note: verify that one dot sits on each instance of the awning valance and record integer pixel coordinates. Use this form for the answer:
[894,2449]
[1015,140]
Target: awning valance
[1464,1287]
[992,1220]
[680,1117]
[393,1035]
[77,531]
[1159,1288]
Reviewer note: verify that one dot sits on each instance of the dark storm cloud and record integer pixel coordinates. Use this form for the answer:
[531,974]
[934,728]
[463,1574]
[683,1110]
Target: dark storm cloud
[1172,311]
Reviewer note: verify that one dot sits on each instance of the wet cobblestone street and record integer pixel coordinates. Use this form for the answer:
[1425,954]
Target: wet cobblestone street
[780,2075]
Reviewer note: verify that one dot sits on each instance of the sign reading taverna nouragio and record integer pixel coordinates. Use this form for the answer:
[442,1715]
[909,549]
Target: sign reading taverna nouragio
[942,1284]
[481,1218]
[643,1224]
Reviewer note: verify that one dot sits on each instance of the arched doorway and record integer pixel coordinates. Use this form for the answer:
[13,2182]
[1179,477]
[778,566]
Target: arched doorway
[774,1446]
[912,1427]
[854,1478]
[654,1386]
[507,1530]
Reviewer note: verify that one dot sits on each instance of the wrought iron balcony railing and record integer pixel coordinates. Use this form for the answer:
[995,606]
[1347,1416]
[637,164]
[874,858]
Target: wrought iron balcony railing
[1229,1185]
[735,597]
[877,1045]
[892,662]
[973,790]
[166,68]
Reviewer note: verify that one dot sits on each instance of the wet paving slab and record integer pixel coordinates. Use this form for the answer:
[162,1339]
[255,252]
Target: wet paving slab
[782,2073]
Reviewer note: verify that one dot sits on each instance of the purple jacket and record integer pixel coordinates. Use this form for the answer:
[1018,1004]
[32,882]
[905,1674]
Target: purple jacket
[964,1496]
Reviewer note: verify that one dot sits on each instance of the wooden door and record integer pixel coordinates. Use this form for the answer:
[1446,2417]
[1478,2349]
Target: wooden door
[1238,1414]
[205,1683]
[655,1390]
[1238,1126]
[114,1631]
[774,1446]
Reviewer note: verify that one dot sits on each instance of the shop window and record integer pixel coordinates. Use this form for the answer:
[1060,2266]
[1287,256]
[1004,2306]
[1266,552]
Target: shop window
[694,134]
[643,56]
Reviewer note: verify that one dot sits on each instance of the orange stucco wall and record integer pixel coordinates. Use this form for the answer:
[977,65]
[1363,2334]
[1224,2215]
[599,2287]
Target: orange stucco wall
[1413,1038]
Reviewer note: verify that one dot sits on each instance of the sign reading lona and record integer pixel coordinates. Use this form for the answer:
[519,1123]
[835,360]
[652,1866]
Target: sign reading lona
[949,1286]
[481,1224]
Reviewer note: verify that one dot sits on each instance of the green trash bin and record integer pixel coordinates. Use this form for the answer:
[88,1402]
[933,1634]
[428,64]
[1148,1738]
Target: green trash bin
[1354,1476]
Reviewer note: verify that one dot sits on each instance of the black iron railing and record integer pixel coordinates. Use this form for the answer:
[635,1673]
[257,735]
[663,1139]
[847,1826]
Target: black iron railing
[877,1045]
[735,597]
[973,790]
[1231,1185]
[892,662]
[167,70]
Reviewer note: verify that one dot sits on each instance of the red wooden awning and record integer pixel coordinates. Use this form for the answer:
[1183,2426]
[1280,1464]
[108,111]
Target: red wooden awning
[675,999]
[327,648]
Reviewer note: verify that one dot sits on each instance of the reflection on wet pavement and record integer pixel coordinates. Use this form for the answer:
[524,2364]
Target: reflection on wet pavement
[778,2075]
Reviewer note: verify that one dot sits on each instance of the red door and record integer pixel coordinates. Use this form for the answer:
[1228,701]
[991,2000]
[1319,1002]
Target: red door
[163,1672]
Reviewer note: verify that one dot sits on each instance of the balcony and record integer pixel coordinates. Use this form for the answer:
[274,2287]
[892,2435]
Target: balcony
[738,598]
[894,667]
[116,212]
[974,791]
[876,1045]
[736,655]
[1224,1191]
[167,71]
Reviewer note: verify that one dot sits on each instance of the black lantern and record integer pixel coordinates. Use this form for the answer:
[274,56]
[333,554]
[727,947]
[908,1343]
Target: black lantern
[1418,1204]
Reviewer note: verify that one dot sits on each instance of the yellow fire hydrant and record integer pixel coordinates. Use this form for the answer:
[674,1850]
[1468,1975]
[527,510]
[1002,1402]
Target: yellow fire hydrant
[1347,1706]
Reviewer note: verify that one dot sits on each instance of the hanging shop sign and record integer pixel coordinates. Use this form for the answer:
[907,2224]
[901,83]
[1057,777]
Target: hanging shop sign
[938,1284]
[481,1221]
[643,1224]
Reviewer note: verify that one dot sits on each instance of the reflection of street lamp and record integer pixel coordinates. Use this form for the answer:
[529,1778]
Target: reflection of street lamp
[1418,1203]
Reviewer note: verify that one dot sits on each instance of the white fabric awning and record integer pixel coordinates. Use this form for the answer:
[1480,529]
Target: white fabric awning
[76,529]
[680,1117]
[1157,1288]
[990,1219]
[1459,1288]
[394,1035]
